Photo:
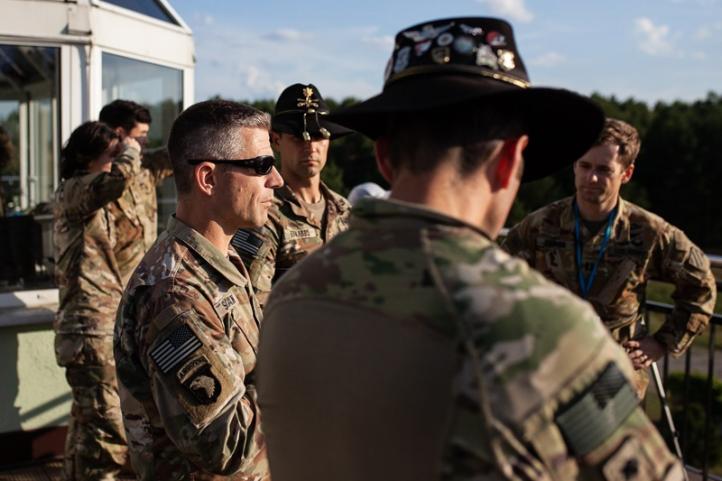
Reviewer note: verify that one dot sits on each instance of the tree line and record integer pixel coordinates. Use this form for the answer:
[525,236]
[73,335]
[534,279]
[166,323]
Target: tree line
[678,174]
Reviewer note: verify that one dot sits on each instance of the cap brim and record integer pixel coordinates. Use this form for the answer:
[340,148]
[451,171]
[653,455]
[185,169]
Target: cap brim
[562,125]
[293,124]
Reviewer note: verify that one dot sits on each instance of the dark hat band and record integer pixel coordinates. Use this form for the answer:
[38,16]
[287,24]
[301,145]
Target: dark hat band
[431,69]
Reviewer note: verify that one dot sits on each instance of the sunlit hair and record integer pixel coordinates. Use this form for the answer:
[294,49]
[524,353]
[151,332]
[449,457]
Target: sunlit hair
[125,114]
[617,132]
[86,144]
[210,130]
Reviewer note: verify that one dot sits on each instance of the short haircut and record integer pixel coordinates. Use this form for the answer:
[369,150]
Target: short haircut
[125,114]
[418,141]
[87,143]
[210,130]
[617,132]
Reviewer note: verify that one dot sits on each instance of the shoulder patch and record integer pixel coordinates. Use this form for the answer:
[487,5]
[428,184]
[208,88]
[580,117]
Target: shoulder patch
[595,414]
[198,378]
[246,242]
[176,347]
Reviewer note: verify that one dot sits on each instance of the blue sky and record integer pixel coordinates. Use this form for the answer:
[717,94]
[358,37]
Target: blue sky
[652,50]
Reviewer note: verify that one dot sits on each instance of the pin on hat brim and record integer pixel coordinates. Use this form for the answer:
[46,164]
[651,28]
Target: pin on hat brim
[562,125]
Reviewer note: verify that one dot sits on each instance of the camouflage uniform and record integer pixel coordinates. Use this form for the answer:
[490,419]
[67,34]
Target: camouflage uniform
[642,247]
[429,353]
[290,234]
[136,211]
[89,280]
[185,349]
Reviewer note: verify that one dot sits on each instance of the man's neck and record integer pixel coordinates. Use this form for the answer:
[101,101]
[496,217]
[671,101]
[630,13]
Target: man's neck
[594,212]
[463,200]
[307,189]
[198,219]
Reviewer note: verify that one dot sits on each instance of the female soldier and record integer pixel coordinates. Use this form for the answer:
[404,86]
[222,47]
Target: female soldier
[95,168]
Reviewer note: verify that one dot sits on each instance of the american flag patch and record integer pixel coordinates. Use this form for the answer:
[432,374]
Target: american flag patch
[246,242]
[180,344]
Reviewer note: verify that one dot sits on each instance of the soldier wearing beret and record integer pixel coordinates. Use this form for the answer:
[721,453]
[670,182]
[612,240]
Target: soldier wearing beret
[606,249]
[187,327]
[411,347]
[306,213]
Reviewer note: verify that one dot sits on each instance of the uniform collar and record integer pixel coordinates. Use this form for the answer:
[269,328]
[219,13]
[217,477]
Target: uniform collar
[567,217]
[370,209]
[206,250]
[333,200]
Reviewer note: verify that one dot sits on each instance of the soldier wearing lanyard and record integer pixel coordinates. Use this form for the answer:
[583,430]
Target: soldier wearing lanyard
[610,268]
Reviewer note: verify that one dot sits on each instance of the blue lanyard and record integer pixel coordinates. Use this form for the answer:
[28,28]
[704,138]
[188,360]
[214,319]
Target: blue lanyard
[585,285]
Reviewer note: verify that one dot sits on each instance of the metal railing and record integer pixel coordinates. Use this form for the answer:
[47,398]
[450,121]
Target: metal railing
[684,424]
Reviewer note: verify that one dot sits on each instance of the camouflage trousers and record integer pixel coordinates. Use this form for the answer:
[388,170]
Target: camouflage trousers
[96,446]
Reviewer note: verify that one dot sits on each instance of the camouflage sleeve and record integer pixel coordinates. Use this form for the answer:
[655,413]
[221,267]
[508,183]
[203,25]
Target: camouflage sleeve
[544,392]
[158,162]
[257,248]
[106,186]
[199,387]
[683,264]
[517,243]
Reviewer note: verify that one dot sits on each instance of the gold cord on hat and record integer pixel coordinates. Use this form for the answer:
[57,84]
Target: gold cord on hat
[311,106]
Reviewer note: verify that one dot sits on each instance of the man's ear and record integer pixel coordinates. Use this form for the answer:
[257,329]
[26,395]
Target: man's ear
[122,133]
[275,138]
[205,176]
[627,173]
[381,149]
[509,160]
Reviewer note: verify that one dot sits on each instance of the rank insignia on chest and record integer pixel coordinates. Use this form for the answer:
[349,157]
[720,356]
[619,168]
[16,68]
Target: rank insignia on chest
[179,344]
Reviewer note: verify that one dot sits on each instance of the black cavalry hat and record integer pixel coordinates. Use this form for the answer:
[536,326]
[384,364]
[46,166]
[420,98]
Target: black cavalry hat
[465,61]
[301,111]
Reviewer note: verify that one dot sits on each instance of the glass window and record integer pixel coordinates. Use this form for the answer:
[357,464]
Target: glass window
[29,121]
[158,88]
[146,7]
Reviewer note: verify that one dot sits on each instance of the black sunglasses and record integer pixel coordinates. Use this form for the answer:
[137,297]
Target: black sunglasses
[262,164]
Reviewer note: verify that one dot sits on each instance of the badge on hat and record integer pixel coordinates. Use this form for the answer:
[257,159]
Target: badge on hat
[464,45]
[307,102]
[473,31]
[495,39]
[485,57]
[310,104]
[421,47]
[402,59]
[506,59]
[445,39]
[427,32]
[441,55]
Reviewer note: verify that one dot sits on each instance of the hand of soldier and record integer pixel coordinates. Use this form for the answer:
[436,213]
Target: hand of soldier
[644,352]
[131,142]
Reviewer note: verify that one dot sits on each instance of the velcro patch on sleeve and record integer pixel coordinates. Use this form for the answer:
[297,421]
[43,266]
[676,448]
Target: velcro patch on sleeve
[175,348]
[595,414]
[246,242]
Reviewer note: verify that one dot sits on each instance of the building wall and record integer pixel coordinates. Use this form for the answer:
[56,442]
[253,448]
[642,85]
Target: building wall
[33,390]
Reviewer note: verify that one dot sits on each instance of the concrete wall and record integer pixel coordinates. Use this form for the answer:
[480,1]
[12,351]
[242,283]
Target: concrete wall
[33,390]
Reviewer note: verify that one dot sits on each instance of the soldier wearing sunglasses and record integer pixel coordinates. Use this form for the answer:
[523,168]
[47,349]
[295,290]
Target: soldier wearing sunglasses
[306,213]
[187,328]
